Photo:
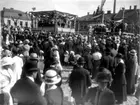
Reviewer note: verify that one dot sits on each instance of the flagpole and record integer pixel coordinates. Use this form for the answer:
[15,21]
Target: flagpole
[114,7]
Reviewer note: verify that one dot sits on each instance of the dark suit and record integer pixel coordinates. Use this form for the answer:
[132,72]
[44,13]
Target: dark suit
[26,92]
[89,61]
[79,82]
[106,97]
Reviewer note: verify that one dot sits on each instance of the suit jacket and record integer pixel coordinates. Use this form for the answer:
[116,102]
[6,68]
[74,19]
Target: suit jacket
[26,92]
[79,81]
[106,97]
[89,61]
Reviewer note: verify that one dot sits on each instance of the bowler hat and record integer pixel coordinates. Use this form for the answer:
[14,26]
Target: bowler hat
[81,60]
[31,65]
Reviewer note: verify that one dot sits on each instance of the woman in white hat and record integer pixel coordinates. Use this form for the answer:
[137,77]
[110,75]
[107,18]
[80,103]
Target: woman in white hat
[6,80]
[52,93]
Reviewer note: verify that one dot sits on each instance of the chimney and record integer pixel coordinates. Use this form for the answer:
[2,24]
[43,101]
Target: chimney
[130,7]
[108,12]
[135,7]
[4,8]
[87,13]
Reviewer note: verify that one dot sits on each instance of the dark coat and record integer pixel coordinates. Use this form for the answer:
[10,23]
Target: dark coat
[130,75]
[26,92]
[54,96]
[108,62]
[79,81]
[89,61]
[106,97]
[119,83]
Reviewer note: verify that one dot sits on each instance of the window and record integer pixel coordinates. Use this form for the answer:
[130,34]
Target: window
[26,24]
[15,23]
[9,22]
[21,23]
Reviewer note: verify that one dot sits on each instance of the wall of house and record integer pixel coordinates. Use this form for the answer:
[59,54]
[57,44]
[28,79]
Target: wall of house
[18,22]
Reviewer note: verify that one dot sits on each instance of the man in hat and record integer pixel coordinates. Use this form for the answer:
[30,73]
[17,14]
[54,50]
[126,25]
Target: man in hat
[79,81]
[26,91]
[100,95]
[131,71]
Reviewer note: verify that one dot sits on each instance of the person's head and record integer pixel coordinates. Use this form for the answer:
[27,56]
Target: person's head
[52,77]
[6,62]
[31,68]
[133,53]
[119,57]
[34,57]
[102,79]
[81,61]
[14,51]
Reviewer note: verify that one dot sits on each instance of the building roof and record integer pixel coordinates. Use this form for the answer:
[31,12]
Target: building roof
[92,17]
[15,14]
[89,17]
[53,11]
[130,15]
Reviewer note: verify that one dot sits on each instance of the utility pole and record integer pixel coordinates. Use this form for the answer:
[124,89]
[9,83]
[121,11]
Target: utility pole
[114,7]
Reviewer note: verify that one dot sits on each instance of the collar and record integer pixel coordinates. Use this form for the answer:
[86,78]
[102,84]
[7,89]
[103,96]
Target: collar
[31,78]
[52,87]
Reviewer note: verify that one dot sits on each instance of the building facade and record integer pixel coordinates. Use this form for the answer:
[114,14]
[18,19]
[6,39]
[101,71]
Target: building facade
[12,17]
[90,21]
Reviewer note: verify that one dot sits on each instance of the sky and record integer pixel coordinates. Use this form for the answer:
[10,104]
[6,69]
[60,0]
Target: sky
[77,7]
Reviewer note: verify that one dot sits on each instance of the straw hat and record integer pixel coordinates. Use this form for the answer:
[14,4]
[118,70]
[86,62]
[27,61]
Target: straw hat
[6,61]
[133,52]
[97,56]
[52,77]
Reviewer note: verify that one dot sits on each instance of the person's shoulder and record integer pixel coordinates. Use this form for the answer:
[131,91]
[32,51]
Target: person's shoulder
[109,91]
[92,89]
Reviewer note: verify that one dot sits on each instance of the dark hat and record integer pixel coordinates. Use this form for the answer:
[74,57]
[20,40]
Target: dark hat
[81,60]
[119,55]
[31,65]
[102,77]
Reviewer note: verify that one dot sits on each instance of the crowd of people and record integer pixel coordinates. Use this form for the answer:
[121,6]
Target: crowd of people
[110,61]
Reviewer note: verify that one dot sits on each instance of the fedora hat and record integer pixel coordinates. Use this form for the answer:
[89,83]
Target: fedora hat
[102,77]
[6,61]
[52,77]
[31,65]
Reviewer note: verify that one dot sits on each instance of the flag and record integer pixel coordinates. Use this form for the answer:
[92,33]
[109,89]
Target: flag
[102,4]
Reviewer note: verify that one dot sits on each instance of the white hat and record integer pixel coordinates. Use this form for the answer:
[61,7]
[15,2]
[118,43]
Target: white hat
[97,56]
[51,77]
[6,61]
